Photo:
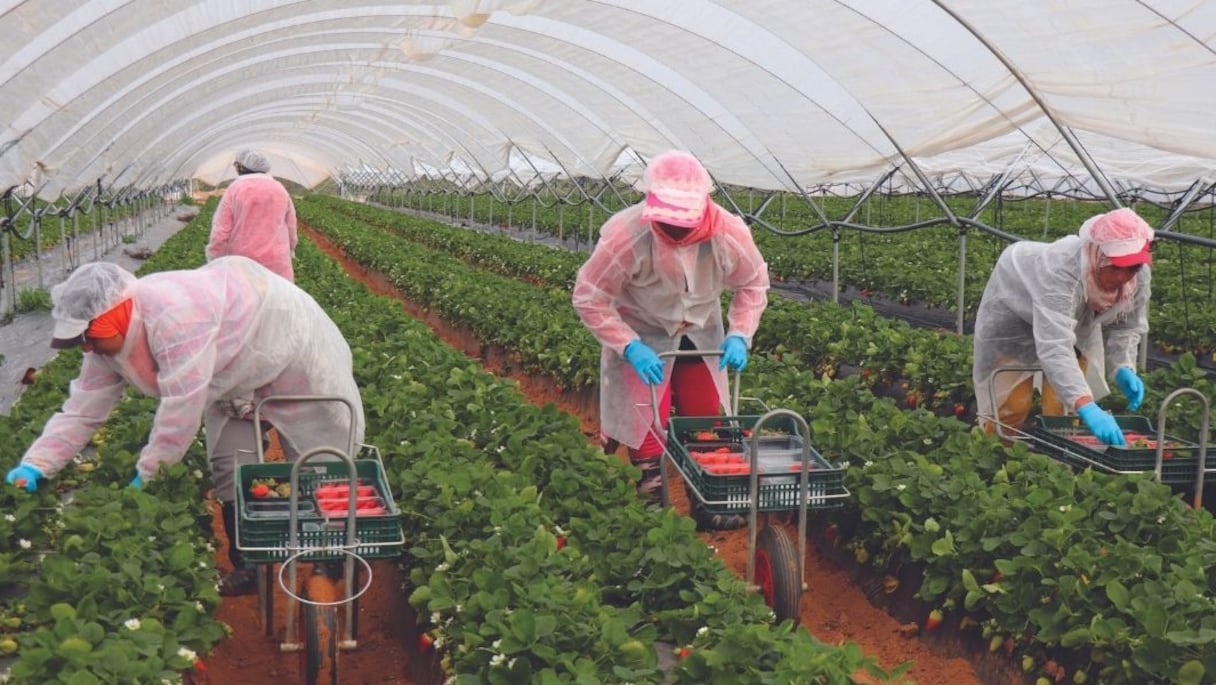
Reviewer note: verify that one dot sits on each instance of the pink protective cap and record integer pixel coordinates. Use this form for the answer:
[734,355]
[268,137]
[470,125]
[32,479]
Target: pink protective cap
[1123,237]
[677,189]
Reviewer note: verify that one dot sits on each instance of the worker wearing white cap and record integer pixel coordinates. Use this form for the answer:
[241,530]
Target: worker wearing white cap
[654,283]
[204,341]
[255,218]
[1077,308]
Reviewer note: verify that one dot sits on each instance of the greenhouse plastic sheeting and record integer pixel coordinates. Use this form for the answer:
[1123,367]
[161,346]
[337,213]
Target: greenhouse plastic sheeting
[770,94]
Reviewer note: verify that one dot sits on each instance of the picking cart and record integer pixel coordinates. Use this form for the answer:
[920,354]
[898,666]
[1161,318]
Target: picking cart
[328,508]
[753,464]
[1149,448]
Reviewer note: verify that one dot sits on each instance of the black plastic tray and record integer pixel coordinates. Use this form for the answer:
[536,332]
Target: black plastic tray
[778,481]
[1062,436]
[265,524]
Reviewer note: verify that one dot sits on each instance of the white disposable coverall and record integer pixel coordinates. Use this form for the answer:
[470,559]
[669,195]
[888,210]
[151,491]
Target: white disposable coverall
[255,219]
[228,330]
[1034,312]
[635,285]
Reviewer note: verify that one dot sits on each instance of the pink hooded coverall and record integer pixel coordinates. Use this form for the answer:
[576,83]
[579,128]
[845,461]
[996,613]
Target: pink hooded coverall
[256,219]
[197,340]
[636,285]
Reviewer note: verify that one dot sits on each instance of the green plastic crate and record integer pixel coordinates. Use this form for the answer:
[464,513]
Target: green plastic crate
[1059,436]
[778,485]
[264,526]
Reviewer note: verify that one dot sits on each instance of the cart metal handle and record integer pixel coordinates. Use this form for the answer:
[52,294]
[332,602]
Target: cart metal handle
[293,533]
[1201,470]
[257,417]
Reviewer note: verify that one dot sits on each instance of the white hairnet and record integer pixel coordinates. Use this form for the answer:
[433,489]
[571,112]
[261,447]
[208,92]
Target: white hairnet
[253,160]
[91,290]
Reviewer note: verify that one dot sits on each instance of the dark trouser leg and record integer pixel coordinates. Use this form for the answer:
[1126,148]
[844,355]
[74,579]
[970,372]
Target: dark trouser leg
[243,578]
[228,511]
[234,445]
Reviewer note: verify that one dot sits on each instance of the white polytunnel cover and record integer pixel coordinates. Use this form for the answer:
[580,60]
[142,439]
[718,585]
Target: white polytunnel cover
[771,94]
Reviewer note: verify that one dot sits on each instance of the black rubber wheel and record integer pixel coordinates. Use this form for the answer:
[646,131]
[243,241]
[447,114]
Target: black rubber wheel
[777,572]
[319,660]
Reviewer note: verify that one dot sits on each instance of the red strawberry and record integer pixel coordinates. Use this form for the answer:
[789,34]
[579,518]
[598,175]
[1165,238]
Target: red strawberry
[934,621]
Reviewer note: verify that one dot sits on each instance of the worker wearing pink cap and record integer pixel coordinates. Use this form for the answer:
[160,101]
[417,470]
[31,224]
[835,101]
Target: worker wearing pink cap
[1076,308]
[654,283]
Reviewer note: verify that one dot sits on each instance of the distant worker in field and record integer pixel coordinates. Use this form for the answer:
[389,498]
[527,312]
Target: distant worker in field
[653,284]
[206,342]
[1077,308]
[255,218]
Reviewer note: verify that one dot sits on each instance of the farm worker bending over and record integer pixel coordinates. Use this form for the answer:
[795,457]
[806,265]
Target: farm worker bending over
[654,283]
[201,340]
[1077,307]
[256,218]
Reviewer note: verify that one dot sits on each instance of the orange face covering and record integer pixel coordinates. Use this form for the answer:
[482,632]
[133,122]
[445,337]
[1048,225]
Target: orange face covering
[111,322]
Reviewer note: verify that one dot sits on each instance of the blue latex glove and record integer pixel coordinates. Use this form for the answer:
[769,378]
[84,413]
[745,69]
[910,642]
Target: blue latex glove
[645,362]
[137,482]
[734,353]
[1101,424]
[27,473]
[1131,385]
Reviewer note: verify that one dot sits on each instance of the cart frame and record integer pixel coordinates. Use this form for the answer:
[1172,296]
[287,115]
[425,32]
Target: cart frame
[321,613]
[1015,433]
[777,536]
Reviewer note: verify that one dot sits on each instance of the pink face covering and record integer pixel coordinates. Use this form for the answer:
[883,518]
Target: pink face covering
[697,234]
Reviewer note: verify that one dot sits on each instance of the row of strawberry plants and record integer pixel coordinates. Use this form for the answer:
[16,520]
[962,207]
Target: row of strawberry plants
[923,367]
[528,554]
[538,324]
[1124,648]
[934,365]
[491,252]
[921,266]
[105,583]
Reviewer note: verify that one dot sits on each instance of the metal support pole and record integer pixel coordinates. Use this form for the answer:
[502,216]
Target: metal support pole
[962,277]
